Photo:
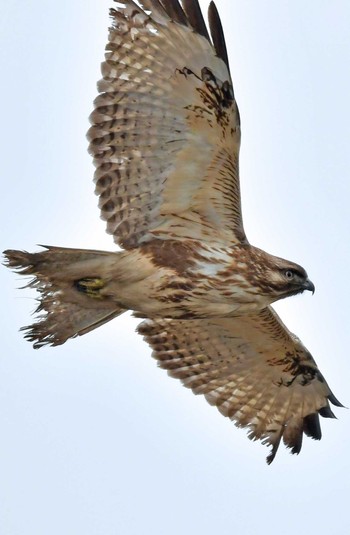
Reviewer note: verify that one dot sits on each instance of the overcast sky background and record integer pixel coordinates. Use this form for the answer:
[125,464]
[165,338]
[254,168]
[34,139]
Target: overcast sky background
[95,439]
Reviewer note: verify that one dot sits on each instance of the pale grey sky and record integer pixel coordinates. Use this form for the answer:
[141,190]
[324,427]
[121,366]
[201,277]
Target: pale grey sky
[95,439]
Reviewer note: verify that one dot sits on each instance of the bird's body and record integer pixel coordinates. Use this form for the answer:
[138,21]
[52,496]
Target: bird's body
[165,139]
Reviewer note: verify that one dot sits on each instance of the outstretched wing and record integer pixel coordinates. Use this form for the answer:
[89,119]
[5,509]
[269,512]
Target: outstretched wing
[252,368]
[165,135]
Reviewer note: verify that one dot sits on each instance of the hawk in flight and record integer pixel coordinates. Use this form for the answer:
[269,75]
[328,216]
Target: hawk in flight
[165,139]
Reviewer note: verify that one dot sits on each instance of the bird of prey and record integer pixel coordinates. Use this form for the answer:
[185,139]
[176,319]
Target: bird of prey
[165,139]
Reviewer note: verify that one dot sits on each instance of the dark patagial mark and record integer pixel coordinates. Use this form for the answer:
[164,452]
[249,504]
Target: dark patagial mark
[170,253]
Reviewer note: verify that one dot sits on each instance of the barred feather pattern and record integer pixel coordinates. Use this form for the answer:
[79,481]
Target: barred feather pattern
[251,368]
[165,133]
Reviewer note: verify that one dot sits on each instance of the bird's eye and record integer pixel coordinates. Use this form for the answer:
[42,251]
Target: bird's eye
[289,274]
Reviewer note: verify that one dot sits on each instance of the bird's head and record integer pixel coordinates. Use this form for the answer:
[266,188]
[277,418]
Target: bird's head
[278,278]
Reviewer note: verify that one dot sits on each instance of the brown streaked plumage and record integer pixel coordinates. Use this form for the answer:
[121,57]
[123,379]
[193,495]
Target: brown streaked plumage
[245,367]
[165,139]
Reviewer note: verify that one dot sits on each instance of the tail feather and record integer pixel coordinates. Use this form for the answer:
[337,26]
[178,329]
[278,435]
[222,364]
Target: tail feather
[69,283]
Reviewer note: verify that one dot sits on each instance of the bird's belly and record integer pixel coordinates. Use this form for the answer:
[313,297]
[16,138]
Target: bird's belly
[188,297]
[231,301]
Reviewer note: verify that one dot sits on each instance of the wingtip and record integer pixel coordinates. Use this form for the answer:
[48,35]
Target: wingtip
[270,458]
[217,33]
[335,401]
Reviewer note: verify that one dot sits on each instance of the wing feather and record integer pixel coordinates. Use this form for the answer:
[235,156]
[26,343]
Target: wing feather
[195,17]
[175,12]
[217,33]
[158,12]
[165,131]
[251,368]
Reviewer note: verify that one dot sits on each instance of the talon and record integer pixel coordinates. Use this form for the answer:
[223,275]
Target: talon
[90,286]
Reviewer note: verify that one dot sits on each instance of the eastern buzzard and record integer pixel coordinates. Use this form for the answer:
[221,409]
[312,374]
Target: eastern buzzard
[165,138]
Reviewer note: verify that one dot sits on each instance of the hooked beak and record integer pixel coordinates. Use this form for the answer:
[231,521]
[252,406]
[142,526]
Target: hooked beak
[308,285]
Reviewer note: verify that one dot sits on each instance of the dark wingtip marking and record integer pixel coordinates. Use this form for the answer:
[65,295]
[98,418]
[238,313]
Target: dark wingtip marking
[312,427]
[217,33]
[270,458]
[195,17]
[298,442]
[175,11]
[326,412]
[335,401]
[272,455]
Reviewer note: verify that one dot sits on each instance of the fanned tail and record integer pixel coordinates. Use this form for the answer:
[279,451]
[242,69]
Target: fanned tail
[69,282]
